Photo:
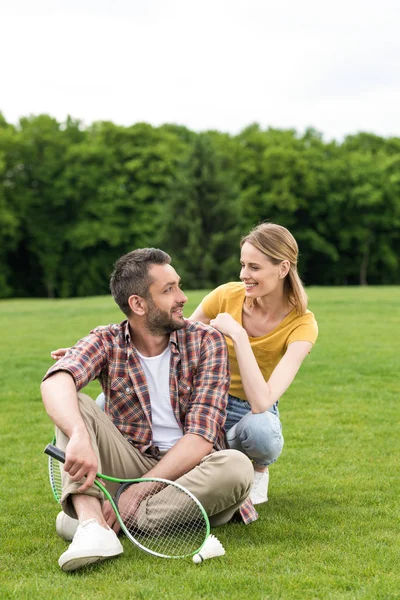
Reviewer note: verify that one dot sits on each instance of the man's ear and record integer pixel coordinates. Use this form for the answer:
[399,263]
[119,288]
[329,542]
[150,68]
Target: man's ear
[137,304]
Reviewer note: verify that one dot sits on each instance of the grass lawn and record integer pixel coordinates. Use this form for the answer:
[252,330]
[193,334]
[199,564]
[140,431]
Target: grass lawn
[331,526]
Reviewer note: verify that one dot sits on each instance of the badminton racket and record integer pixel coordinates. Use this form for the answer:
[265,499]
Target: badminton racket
[55,469]
[162,517]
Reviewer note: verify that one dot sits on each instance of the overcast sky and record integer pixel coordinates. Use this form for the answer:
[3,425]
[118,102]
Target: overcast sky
[210,64]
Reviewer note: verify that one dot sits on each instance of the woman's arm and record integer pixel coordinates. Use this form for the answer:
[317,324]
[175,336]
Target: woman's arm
[261,394]
[200,315]
[59,353]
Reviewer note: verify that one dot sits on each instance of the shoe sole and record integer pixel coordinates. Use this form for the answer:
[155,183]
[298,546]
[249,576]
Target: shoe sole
[78,562]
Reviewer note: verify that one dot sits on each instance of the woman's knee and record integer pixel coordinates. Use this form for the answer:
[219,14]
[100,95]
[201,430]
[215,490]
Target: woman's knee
[260,436]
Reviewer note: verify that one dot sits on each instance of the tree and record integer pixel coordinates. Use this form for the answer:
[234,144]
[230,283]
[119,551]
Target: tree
[9,217]
[115,183]
[200,227]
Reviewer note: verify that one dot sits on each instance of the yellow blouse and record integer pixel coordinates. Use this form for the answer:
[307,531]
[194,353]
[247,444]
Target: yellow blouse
[268,349]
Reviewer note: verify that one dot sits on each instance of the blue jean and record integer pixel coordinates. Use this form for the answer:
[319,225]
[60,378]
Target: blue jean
[259,436]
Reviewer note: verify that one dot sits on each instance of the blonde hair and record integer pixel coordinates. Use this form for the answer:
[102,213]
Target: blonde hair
[278,244]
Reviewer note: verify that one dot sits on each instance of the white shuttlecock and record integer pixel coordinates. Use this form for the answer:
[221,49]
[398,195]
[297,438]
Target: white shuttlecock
[211,548]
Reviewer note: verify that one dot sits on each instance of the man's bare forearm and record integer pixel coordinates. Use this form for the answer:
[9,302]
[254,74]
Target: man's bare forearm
[61,402]
[182,457]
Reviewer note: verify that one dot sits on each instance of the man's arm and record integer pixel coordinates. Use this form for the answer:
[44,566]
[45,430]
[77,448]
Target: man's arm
[182,457]
[61,403]
[59,393]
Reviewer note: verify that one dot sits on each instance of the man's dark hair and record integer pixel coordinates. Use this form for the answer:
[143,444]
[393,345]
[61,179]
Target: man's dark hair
[131,275]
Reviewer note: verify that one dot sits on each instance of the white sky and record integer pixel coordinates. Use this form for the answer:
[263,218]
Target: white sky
[207,64]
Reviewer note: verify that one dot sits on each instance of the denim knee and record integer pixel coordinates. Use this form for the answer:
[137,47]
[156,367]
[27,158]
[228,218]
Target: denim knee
[259,436]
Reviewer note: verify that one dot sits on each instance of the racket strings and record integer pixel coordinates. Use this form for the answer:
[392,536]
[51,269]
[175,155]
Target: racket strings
[55,477]
[168,522]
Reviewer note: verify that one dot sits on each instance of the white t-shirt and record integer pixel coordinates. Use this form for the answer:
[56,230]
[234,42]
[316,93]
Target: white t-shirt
[166,430]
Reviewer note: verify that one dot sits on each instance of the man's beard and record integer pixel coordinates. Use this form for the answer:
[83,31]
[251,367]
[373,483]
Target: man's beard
[161,322]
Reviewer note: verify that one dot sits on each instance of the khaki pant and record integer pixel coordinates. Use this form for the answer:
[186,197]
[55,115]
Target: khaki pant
[221,482]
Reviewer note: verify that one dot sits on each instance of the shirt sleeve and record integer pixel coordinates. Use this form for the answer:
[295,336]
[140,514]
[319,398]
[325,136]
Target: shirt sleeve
[211,304]
[207,413]
[84,361]
[306,330]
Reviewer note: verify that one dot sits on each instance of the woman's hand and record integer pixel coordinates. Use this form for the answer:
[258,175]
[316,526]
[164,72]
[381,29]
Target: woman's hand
[59,353]
[227,325]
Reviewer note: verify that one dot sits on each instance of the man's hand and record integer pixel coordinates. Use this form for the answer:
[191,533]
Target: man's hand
[129,502]
[81,461]
[110,517]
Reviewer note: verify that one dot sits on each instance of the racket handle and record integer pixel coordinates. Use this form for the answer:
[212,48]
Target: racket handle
[55,452]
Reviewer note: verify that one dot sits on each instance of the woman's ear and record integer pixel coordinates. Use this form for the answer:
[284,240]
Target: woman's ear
[284,269]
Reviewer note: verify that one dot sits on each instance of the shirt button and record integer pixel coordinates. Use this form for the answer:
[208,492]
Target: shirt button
[128,390]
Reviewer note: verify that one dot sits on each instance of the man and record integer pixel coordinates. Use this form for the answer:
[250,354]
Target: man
[166,381]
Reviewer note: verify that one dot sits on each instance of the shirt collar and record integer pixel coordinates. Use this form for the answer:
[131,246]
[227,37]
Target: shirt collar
[173,338]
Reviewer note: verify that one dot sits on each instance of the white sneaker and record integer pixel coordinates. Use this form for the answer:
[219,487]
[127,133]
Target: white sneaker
[259,489]
[66,526]
[92,543]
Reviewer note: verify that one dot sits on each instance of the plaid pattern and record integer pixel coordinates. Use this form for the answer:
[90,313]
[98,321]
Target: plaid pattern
[199,382]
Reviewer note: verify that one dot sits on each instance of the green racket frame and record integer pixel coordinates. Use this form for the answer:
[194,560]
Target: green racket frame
[58,456]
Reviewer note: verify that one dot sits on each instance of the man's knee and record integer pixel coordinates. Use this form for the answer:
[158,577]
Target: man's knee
[237,469]
[84,399]
[87,406]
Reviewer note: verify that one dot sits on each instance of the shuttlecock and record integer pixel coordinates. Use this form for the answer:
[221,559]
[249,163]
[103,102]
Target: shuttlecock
[211,548]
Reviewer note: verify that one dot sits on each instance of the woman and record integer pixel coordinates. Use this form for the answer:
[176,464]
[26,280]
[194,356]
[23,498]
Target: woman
[269,333]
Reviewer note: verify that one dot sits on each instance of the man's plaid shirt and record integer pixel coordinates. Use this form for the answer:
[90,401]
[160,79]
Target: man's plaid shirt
[199,382]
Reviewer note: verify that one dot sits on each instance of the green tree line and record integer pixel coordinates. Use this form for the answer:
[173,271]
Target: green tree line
[74,198]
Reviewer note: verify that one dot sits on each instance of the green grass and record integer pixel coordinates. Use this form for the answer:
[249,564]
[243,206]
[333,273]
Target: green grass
[331,527]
